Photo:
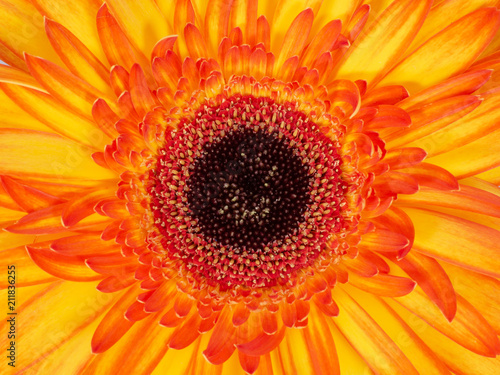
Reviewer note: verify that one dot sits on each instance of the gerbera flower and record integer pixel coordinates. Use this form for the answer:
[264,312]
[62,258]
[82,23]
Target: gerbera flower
[233,186]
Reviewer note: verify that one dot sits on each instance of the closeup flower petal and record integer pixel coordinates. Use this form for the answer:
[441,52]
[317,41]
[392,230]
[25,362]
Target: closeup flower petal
[251,187]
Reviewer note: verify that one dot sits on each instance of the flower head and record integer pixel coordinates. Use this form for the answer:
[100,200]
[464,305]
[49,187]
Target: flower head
[252,187]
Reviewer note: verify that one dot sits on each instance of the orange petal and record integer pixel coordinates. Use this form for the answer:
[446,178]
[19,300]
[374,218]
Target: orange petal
[457,241]
[433,117]
[384,41]
[244,15]
[321,346]
[468,328]
[78,17]
[195,42]
[221,344]
[75,93]
[263,343]
[467,198]
[443,14]
[404,157]
[369,339]
[392,183]
[76,56]
[62,266]
[295,37]
[285,14]
[258,64]
[477,124]
[345,95]
[447,53]
[383,284]
[167,71]
[139,91]
[217,22]
[492,175]
[83,245]
[342,10]
[388,117]
[70,307]
[114,325]
[323,42]
[463,84]
[361,265]
[27,197]
[160,298]
[115,44]
[134,349]
[263,32]
[142,22]
[383,240]
[185,334]
[135,312]
[388,95]
[78,209]
[432,176]
[248,363]
[16,76]
[112,264]
[44,221]
[433,280]
[240,314]
[113,284]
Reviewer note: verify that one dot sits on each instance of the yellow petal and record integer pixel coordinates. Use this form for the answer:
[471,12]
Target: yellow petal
[47,110]
[77,57]
[38,154]
[457,241]
[23,32]
[68,358]
[443,14]
[460,360]
[376,50]
[8,216]
[75,93]
[11,240]
[77,16]
[479,123]
[284,15]
[142,21]
[473,158]
[468,328]
[420,355]
[51,317]
[368,338]
[480,290]
[336,10]
[216,22]
[15,117]
[134,349]
[9,74]
[447,53]
[493,176]
[31,274]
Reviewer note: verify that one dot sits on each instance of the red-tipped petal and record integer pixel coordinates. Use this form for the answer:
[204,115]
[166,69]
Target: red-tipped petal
[65,267]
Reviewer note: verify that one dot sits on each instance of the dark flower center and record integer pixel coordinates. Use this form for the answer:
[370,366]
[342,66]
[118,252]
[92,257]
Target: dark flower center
[248,192]
[249,189]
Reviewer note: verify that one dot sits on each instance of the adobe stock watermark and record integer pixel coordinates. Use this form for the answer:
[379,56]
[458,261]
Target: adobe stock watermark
[11,316]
